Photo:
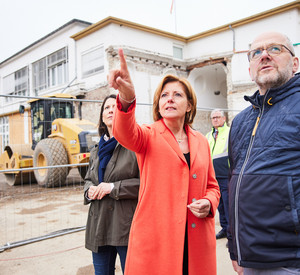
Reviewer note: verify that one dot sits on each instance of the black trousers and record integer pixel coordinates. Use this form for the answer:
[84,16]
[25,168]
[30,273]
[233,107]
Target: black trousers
[185,267]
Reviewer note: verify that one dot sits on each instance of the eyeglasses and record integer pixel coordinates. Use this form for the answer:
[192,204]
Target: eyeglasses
[271,50]
[215,117]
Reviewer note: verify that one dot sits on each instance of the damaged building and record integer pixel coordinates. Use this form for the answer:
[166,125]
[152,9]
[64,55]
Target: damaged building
[76,58]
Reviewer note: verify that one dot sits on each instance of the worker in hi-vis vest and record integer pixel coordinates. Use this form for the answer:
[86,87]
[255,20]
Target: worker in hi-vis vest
[218,142]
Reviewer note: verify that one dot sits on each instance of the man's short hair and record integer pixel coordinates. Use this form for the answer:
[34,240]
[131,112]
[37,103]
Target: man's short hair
[288,41]
[217,111]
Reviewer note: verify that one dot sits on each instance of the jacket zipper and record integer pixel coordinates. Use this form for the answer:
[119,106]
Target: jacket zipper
[261,111]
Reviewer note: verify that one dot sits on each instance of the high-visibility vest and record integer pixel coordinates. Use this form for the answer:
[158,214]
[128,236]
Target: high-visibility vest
[219,150]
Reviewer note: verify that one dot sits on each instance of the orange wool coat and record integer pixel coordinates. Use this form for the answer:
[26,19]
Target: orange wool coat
[156,241]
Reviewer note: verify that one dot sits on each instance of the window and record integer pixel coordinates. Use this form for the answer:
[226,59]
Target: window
[50,71]
[93,62]
[39,70]
[177,52]
[4,132]
[38,121]
[16,83]
[61,110]
[57,68]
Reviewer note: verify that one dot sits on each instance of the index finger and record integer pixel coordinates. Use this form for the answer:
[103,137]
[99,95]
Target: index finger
[123,62]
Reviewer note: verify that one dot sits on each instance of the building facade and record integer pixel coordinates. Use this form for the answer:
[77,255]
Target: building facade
[47,66]
[215,62]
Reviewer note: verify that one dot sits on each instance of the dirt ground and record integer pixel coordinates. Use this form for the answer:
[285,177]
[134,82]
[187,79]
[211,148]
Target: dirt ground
[47,210]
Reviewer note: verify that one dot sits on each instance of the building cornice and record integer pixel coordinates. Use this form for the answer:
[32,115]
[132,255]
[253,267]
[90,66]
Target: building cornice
[121,22]
[113,20]
[73,21]
[247,20]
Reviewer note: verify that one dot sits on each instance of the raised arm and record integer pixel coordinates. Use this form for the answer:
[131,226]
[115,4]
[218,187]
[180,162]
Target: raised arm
[120,80]
[125,129]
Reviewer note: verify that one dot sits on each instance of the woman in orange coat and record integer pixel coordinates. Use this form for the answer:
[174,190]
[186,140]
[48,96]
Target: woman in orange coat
[173,229]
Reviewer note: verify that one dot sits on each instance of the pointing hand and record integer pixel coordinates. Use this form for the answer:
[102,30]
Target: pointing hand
[120,80]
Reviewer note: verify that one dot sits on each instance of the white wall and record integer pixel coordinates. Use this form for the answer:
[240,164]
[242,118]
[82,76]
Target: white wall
[57,41]
[210,46]
[230,44]
[142,40]
[203,49]
[120,36]
[286,22]
[89,43]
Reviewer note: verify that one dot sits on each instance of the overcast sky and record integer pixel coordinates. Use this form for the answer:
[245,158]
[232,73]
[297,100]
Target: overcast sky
[22,22]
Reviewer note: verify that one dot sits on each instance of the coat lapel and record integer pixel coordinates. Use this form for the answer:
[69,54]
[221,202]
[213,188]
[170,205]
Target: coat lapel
[193,143]
[169,137]
[110,166]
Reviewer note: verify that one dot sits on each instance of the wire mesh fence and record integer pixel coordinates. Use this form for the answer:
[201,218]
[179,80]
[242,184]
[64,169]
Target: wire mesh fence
[30,211]
[38,202]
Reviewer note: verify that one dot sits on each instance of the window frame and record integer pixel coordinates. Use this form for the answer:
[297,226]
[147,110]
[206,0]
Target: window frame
[16,83]
[89,71]
[4,131]
[178,47]
[50,71]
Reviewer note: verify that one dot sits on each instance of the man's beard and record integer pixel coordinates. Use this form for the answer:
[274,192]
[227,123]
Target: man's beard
[273,79]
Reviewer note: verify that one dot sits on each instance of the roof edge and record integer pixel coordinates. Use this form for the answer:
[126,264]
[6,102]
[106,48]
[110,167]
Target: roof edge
[113,20]
[244,21]
[247,20]
[46,36]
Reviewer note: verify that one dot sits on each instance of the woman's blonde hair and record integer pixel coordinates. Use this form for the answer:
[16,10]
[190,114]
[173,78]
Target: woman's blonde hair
[190,94]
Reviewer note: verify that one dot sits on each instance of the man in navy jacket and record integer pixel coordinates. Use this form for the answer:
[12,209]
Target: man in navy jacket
[264,154]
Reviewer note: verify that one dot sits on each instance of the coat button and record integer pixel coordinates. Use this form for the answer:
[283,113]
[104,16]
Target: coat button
[193,225]
[287,207]
[194,176]
[193,199]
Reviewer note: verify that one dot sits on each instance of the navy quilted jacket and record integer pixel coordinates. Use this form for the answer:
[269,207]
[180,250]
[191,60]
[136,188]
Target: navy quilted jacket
[264,187]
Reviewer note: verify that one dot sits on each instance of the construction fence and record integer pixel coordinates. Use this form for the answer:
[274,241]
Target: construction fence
[32,212]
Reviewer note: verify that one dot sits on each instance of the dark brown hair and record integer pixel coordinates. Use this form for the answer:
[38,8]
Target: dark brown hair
[102,128]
